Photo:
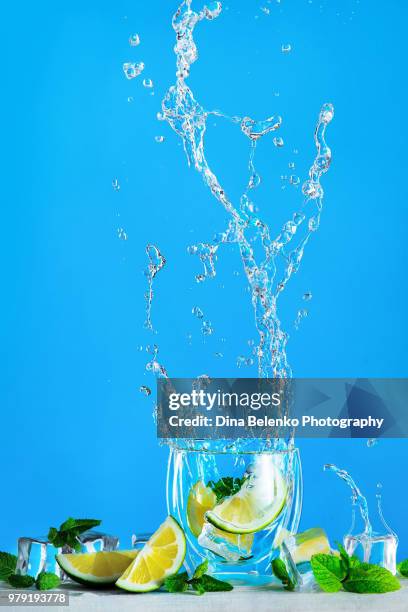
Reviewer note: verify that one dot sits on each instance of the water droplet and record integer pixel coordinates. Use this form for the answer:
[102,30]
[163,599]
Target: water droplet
[278,141]
[160,116]
[265,10]
[207,328]
[372,442]
[294,180]
[148,83]
[241,361]
[115,184]
[286,48]
[132,69]
[122,234]
[140,347]
[291,165]
[130,99]
[159,138]
[199,278]
[145,390]
[218,355]
[134,40]
[307,296]
[197,312]
[302,314]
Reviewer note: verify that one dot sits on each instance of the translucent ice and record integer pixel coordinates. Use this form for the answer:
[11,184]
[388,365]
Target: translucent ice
[230,546]
[37,554]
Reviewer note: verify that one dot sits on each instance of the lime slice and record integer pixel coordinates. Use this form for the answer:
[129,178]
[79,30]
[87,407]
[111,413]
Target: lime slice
[96,569]
[200,500]
[160,557]
[257,504]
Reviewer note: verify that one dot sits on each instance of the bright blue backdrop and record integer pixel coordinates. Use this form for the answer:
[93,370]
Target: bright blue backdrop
[77,436]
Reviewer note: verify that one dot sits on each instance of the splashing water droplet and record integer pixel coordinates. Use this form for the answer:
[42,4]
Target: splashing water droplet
[307,296]
[278,141]
[134,40]
[130,99]
[286,48]
[207,328]
[156,263]
[197,312]
[160,117]
[265,10]
[241,361]
[148,83]
[122,234]
[294,180]
[132,69]
[302,314]
[159,138]
[115,184]
[372,442]
[145,390]
[218,355]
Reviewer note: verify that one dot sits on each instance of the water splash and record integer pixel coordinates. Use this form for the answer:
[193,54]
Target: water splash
[156,263]
[358,498]
[134,40]
[188,118]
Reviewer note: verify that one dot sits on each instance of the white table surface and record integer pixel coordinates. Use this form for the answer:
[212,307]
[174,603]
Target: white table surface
[241,599]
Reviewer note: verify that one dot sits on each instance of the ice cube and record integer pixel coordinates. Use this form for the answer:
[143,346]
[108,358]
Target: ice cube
[37,554]
[296,550]
[139,540]
[303,545]
[232,547]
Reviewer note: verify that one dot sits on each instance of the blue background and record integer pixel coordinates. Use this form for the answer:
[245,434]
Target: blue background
[77,436]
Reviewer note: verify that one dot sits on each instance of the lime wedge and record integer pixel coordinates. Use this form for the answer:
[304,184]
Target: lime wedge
[96,569]
[257,504]
[160,557]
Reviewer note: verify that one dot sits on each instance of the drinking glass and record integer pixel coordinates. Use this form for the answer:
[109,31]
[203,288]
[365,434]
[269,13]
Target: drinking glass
[194,468]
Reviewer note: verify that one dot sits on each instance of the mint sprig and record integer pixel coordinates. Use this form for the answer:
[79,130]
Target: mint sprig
[20,582]
[8,564]
[68,532]
[199,582]
[226,486]
[281,573]
[402,567]
[329,572]
[46,581]
[334,573]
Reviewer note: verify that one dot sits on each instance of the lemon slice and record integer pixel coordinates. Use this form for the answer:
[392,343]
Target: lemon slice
[200,500]
[257,504]
[160,557]
[100,568]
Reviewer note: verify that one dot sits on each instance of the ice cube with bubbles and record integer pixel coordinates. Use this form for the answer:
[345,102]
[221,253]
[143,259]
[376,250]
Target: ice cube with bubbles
[230,546]
[37,554]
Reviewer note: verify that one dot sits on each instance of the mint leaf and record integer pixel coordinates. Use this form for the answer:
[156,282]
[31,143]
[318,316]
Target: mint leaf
[403,568]
[349,562]
[329,571]
[177,583]
[279,570]
[8,564]
[67,534]
[197,585]
[367,578]
[225,487]
[46,581]
[20,582]
[211,584]
[201,569]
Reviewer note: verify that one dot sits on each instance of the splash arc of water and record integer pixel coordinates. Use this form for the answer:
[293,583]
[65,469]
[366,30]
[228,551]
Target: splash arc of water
[156,263]
[189,120]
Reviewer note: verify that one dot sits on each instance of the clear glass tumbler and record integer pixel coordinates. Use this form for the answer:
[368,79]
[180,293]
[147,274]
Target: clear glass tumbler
[232,505]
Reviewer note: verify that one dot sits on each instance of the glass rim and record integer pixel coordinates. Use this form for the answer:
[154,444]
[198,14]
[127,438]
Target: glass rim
[207,451]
